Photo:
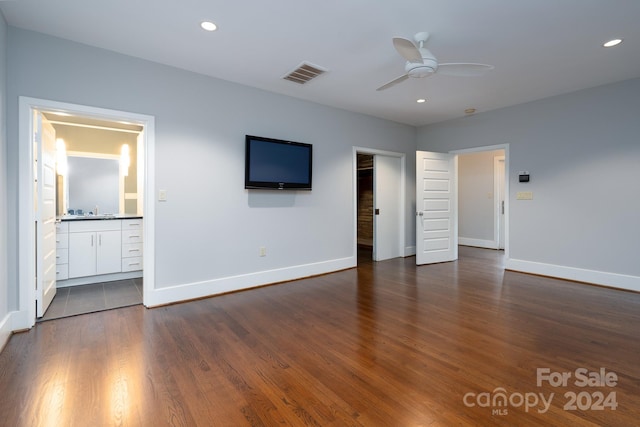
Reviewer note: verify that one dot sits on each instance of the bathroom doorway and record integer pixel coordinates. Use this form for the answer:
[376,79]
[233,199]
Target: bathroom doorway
[72,116]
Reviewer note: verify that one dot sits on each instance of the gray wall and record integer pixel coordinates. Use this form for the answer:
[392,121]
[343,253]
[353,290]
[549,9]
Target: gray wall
[583,152]
[4,291]
[211,227]
[580,148]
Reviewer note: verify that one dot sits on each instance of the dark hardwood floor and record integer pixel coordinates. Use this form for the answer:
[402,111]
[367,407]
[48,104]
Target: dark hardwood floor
[386,344]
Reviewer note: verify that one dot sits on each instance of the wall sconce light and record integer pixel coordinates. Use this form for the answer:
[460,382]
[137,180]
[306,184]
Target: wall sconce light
[125,160]
[61,158]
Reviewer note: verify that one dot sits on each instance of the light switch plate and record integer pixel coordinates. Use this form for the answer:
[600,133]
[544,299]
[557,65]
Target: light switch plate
[162,195]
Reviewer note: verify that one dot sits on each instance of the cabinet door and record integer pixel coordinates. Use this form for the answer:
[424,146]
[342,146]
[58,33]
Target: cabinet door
[82,254]
[109,255]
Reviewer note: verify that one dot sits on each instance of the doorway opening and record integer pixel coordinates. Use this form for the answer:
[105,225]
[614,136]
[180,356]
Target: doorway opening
[483,188]
[365,205]
[135,197]
[443,198]
[379,204]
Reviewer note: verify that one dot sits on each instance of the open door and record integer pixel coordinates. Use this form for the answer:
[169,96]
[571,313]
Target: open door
[44,139]
[436,208]
[387,219]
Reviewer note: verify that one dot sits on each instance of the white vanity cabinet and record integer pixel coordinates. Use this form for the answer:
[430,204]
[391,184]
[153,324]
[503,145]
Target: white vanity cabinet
[93,250]
[94,247]
[131,245]
[62,251]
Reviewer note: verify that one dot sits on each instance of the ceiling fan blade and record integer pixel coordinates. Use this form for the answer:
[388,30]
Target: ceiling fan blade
[394,82]
[464,69]
[407,49]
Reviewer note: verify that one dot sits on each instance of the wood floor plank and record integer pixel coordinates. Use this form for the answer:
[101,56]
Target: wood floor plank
[386,344]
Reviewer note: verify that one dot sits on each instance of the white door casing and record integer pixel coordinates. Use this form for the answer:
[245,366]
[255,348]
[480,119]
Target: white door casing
[387,201]
[45,212]
[499,178]
[436,207]
[25,315]
[141,173]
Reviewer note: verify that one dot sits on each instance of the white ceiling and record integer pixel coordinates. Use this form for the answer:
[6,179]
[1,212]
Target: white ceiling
[539,48]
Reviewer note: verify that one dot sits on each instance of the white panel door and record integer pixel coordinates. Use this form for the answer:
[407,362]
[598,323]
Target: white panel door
[387,232]
[45,144]
[436,208]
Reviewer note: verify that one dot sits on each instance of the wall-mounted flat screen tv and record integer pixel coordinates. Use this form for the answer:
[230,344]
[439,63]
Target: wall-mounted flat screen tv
[277,164]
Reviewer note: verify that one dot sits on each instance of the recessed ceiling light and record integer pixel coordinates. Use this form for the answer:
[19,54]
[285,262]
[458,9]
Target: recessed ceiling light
[470,111]
[611,43]
[208,26]
[421,100]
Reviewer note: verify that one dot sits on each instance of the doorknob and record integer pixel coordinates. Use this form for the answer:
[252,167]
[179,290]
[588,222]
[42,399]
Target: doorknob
[377,211]
[419,213]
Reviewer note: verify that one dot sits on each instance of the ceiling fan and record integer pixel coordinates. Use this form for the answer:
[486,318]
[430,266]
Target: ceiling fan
[422,63]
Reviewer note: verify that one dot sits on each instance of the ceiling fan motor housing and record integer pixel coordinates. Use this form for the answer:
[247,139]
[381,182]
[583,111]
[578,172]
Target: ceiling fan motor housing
[418,70]
[428,66]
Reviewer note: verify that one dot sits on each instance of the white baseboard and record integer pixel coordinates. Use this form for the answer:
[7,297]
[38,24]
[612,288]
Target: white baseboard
[189,291]
[5,330]
[19,321]
[409,251]
[12,322]
[613,280]
[479,243]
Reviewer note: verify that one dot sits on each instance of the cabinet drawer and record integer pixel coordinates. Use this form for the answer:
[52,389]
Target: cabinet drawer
[62,241]
[132,224]
[62,256]
[62,227]
[131,264]
[131,250]
[95,225]
[131,236]
[62,271]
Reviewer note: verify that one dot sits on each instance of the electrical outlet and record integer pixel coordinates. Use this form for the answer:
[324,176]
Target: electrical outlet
[263,251]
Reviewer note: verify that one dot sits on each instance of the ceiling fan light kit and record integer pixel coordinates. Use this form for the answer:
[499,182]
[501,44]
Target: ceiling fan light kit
[425,68]
[422,63]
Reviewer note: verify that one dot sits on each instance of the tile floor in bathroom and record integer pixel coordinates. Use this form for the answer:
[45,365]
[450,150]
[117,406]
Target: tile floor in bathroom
[74,300]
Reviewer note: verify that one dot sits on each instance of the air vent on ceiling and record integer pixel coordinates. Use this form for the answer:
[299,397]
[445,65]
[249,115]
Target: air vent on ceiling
[304,73]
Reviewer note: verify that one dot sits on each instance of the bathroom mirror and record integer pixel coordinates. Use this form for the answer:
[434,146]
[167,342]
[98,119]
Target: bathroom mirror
[95,181]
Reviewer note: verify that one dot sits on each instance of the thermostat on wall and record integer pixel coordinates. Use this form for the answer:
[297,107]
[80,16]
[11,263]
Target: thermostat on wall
[523,176]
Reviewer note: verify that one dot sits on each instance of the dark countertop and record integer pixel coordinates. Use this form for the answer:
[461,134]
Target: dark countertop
[97,217]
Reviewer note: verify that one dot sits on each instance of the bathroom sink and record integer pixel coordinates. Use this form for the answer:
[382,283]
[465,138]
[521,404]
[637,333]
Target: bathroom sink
[97,217]
[101,216]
